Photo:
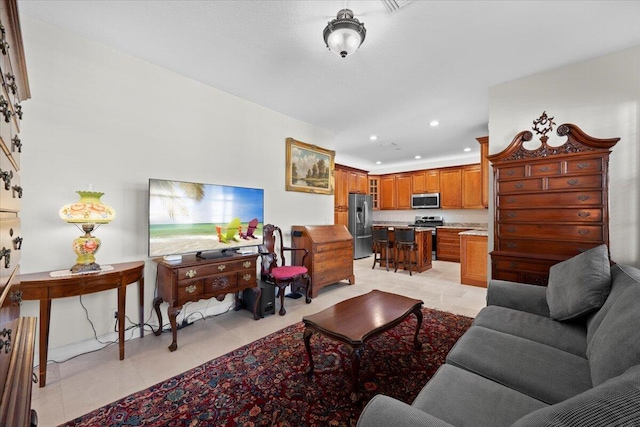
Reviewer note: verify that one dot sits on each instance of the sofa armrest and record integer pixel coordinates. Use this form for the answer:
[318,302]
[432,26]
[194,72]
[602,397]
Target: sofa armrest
[385,411]
[518,296]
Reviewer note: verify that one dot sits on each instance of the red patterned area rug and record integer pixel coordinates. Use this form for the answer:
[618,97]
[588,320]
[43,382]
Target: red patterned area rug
[264,383]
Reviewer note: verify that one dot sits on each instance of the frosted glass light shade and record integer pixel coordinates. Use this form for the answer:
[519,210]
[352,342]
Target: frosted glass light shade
[344,35]
[88,210]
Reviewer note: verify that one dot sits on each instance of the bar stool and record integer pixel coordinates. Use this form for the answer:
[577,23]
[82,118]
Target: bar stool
[381,240]
[405,243]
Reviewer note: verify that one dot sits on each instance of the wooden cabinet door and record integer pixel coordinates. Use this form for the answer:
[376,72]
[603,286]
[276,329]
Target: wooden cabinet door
[341,217]
[484,169]
[451,188]
[374,192]
[472,187]
[353,182]
[363,183]
[341,194]
[403,191]
[419,182]
[432,178]
[388,192]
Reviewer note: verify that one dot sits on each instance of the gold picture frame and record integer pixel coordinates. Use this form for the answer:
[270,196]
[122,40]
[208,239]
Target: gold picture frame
[310,168]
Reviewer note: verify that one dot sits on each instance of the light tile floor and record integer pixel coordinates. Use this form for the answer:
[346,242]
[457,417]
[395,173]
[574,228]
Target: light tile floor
[87,382]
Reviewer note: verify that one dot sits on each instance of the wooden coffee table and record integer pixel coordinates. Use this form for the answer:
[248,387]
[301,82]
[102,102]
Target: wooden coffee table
[356,320]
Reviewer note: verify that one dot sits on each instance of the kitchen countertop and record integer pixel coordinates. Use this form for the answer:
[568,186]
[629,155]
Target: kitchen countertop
[476,232]
[392,225]
[479,226]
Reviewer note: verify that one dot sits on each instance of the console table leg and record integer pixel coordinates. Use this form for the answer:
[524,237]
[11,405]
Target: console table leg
[418,312]
[156,307]
[307,344]
[173,313]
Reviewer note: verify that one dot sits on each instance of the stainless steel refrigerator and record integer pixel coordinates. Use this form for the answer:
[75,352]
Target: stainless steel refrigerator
[360,222]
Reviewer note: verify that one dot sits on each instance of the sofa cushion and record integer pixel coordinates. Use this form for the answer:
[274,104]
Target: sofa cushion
[465,399]
[580,284]
[615,346]
[613,403]
[567,336]
[537,370]
[622,276]
[385,411]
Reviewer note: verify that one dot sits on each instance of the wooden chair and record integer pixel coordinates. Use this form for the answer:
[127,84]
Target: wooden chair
[405,245]
[253,224]
[274,269]
[228,233]
[381,241]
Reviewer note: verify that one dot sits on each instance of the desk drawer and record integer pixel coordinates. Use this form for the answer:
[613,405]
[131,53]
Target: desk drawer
[332,247]
[221,284]
[190,290]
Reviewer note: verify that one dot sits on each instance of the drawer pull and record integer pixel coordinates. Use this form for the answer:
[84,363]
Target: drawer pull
[191,274]
[6,176]
[5,343]
[11,83]
[583,165]
[511,200]
[222,267]
[6,254]
[519,185]
[512,214]
[584,214]
[544,169]
[191,289]
[18,109]
[17,243]
[246,277]
[583,231]
[511,229]
[16,143]
[16,297]
[513,264]
[583,197]
[17,189]
[512,245]
[246,264]
[510,172]
[572,181]
[5,110]
[4,45]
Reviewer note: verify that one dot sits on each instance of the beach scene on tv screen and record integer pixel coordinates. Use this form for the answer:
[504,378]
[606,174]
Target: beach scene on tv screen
[189,217]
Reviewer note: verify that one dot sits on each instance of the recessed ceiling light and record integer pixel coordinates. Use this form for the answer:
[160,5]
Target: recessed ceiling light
[434,123]
[467,149]
[417,157]
[378,162]
[373,137]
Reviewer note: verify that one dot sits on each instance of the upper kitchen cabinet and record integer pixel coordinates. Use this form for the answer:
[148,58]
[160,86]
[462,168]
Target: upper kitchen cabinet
[451,188]
[395,191]
[472,187]
[484,169]
[433,181]
[347,180]
[358,182]
[419,182]
[374,192]
[388,192]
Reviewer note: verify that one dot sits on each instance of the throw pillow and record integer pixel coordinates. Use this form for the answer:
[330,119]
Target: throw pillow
[580,284]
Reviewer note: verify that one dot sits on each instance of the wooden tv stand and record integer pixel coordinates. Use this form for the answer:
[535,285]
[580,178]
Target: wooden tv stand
[193,279]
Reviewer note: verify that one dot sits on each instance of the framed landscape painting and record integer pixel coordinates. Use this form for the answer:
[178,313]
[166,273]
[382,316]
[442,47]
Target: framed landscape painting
[309,168]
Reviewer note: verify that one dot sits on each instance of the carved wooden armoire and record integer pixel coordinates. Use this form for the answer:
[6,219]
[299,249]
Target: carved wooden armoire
[551,203]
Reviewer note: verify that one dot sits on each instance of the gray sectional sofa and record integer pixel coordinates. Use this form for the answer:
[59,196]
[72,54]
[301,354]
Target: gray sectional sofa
[563,355]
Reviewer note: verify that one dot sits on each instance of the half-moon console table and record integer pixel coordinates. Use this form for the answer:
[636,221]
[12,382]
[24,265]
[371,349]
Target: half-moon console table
[43,287]
[193,279]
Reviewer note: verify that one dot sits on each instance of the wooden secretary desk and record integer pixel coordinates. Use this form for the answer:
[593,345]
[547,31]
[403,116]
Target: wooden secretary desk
[551,203]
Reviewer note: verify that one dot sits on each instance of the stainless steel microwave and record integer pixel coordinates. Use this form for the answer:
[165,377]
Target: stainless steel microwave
[425,201]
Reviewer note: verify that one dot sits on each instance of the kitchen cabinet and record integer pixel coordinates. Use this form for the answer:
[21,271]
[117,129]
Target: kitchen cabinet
[387,192]
[484,169]
[358,182]
[472,187]
[473,258]
[432,181]
[341,197]
[403,191]
[419,182]
[448,243]
[551,203]
[374,192]
[451,188]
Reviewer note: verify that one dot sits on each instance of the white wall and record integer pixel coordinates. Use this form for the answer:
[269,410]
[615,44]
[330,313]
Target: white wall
[602,97]
[100,117]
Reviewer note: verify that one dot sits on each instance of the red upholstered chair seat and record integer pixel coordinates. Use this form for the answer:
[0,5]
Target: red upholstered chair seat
[287,272]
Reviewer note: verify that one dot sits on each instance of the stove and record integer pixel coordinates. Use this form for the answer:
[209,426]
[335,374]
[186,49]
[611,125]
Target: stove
[429,221]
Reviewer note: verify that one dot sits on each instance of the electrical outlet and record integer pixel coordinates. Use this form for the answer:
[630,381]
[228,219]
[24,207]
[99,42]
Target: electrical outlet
[115,314]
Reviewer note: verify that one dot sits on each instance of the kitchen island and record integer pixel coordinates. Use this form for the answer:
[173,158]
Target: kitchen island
[423,256]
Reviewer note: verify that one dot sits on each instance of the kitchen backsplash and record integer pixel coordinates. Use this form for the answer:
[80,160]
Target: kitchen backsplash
[449,216]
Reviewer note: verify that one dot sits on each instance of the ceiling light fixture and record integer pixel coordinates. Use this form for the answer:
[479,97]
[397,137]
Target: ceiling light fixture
[466,150]
[373,137]
[434,123]
[417,157]
[378,162]
[344,35]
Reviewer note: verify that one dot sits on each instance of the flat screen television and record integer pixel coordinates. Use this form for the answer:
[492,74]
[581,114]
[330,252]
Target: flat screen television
[206,219]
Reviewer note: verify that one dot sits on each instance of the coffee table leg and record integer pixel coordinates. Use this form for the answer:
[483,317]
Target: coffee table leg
[418,312]
[307,343]
[355,372]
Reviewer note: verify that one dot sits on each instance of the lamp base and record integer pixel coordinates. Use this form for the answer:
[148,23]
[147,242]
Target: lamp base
[83,268]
